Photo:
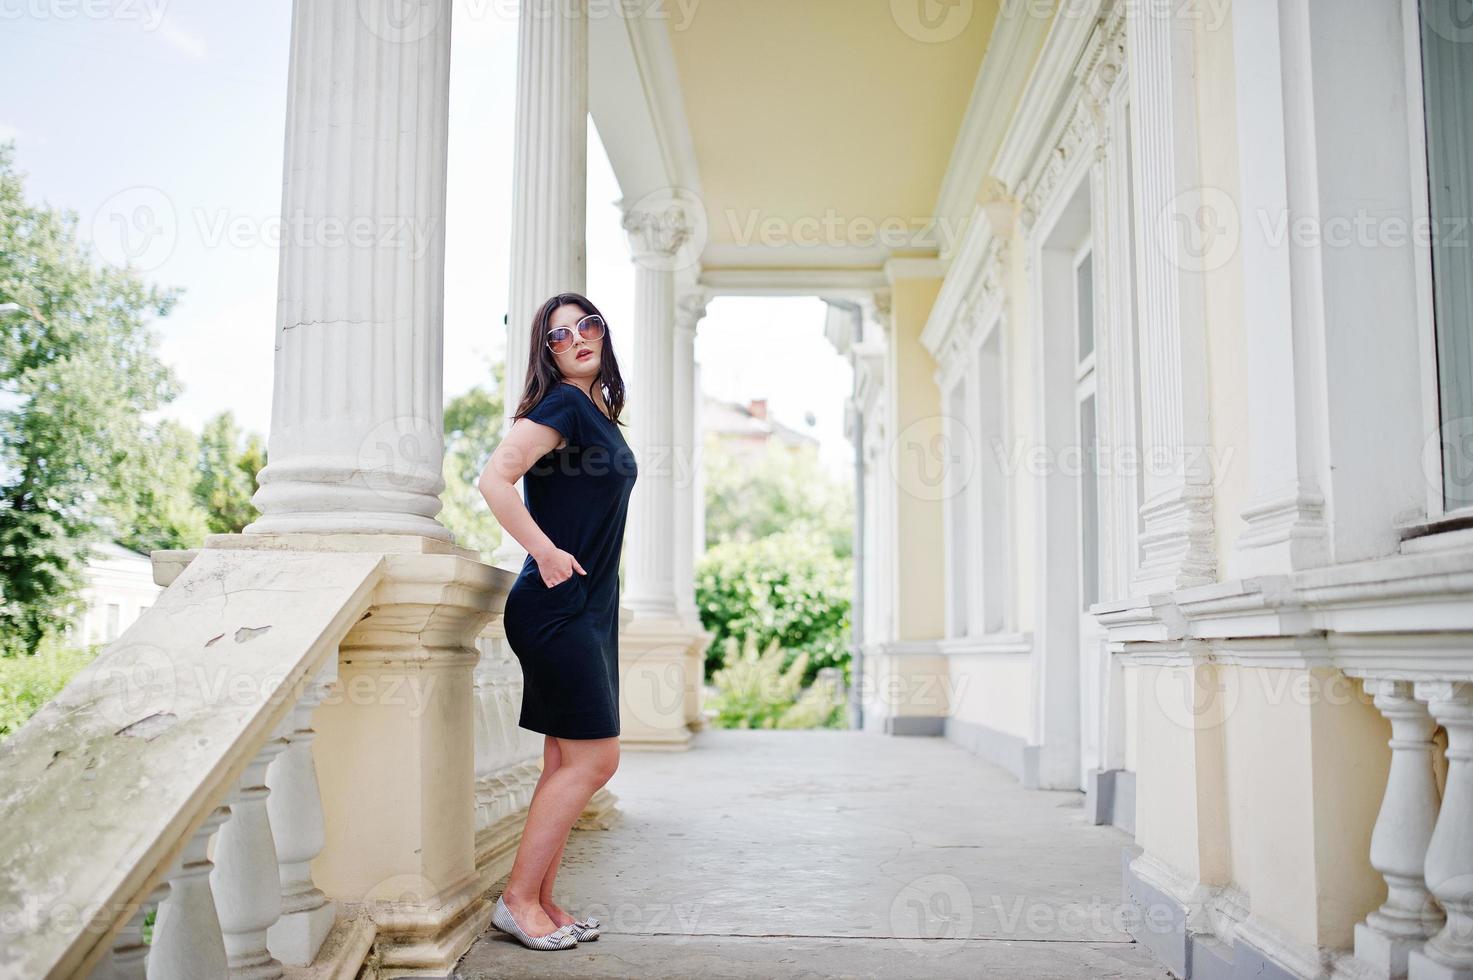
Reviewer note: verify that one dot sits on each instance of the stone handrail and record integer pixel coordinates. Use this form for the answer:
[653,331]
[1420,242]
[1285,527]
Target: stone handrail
[110,793]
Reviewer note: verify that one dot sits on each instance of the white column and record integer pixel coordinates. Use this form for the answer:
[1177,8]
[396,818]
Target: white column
[685,412]
[295,810]
[698,462]
[186,932]
[1449,868]
[549,184]
[1177,538]
[655,239]
[1403,830]
[246,881]
[356,427]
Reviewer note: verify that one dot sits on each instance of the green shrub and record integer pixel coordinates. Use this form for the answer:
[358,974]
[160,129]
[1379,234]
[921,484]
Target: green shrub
[755,690]
[788,587]
[27,683]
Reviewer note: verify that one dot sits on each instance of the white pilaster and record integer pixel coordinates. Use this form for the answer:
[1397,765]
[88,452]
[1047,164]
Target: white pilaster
[356,429]
[685,413]
[549,184]
[1286,528]
[1177,537]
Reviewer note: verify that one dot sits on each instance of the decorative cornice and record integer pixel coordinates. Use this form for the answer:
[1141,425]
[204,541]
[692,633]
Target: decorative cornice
[899,267]
[1063,116]
[1045,95]
[856,284]
[1081,128]
[1016,37]
[1405,615]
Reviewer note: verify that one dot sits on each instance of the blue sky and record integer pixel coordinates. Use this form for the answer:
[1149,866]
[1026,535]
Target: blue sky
[178,106]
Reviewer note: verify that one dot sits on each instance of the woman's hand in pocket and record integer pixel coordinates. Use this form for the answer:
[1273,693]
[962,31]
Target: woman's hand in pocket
[557,566]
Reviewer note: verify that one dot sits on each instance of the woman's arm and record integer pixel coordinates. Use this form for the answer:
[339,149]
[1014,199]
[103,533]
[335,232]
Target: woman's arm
[526,442]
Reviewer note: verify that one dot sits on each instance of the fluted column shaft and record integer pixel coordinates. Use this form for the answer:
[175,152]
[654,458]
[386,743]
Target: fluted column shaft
[685,421]
[549,183]
[650,587]
[356,422]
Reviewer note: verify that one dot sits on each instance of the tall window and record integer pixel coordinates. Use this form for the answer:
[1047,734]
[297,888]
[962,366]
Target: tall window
[1084,394]
[1447,86]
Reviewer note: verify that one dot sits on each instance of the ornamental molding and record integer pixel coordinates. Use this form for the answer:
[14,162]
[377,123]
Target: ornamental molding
[1084,125]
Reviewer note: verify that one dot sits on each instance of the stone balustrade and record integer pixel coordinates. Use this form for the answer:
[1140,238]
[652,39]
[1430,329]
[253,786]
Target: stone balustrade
[169,738]
[183,760]
[1423,841]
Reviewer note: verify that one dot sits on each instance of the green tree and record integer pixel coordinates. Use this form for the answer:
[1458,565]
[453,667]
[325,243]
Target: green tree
[156,504]
[782,490]
[78,371]
[226,474]
[788,587]
[472,432]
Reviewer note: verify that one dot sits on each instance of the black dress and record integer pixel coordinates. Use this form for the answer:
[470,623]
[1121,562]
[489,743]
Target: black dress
[567,637]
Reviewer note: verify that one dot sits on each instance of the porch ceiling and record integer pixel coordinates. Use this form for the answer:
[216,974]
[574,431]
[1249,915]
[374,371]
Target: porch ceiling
[813,123]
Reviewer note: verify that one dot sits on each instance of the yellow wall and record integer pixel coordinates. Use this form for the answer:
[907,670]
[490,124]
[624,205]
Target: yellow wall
[920,579]
[1180,815]
[1271,784]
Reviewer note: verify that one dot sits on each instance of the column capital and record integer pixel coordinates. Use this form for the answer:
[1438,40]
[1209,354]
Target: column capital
[690,308]
[877,305]
[661,227]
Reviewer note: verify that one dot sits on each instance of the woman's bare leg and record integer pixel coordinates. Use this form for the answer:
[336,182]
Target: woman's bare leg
[552,759]
[585,765]
[554,911]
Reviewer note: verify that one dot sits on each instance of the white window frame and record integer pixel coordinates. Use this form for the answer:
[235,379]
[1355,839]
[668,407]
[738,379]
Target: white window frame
[1426,320]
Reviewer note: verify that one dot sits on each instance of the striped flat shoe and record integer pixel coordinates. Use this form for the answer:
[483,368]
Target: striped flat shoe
[560,938]
[586,930]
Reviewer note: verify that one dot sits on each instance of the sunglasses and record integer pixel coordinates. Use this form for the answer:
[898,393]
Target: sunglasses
[560,339]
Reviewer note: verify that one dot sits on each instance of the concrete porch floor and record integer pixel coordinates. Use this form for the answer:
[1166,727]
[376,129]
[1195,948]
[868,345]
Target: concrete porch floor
[819,854]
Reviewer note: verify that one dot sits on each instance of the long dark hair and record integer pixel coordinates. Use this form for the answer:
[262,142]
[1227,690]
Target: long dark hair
[542,372]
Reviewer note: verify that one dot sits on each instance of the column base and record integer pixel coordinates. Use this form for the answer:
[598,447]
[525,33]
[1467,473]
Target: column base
[416,941]
[1420,966]
[346,950]
[695,714]
[655,684]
